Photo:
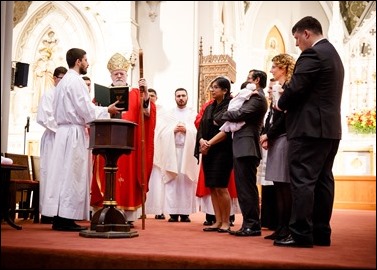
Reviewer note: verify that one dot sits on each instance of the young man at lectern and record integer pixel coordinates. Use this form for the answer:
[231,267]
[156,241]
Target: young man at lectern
[66,197]
[129,180]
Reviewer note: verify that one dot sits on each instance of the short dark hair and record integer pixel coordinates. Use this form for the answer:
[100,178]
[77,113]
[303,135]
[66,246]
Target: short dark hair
[262,77]
[73,55]
[86,78]
[180,89]
[151,90]
[308,23]
[59,70]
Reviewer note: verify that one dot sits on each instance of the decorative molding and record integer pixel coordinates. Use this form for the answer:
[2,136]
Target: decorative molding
[29,28]
[355,12]
[153,9]
[20,10]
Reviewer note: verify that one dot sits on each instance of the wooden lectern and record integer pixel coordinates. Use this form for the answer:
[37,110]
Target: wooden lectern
[110,138]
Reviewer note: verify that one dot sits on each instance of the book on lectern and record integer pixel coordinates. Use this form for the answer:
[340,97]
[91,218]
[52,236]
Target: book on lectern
[105,96]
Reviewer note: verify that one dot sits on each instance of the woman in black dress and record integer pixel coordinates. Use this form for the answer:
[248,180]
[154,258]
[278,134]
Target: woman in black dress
[216,149]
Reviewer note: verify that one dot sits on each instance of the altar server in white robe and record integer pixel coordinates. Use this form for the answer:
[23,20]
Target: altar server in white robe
[45,117]
[154,203]
[68,185]
[180,169]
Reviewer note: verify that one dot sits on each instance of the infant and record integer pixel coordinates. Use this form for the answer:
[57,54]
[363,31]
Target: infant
[235,104]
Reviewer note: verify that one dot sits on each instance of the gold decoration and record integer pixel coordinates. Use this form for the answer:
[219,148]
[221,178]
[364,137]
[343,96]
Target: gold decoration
[118,61]
[210,67]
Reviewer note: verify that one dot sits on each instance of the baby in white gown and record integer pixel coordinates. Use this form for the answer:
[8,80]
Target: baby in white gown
[235,104]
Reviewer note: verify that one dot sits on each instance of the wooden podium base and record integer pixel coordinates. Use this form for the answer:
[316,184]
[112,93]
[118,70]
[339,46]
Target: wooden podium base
[109,222]
[110,234]
[110,138]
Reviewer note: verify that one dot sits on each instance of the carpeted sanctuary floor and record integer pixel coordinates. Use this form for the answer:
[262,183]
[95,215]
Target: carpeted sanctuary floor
[164,245]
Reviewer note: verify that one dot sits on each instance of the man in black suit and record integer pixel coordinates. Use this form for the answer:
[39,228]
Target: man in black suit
[312,101]
[247,154]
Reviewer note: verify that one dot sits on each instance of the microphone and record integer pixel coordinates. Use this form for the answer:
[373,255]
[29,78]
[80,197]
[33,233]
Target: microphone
[27,124]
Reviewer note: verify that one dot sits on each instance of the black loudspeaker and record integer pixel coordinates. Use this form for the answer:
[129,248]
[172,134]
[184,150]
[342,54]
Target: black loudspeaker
[21,75]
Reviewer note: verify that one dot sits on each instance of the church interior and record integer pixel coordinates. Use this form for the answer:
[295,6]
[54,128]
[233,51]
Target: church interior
[186,44]
[175,44]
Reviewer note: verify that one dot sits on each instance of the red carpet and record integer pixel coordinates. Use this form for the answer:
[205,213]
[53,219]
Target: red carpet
[165,245]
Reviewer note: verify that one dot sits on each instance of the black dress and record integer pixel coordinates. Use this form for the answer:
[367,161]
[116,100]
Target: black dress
[218,163]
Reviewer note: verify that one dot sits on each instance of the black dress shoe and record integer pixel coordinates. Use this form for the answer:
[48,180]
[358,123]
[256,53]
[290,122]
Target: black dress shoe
[162,216]
[67,225]
[173,220]
[185,219]
[208,223]
[211,229]
[234,232]
[290,242]
[271,236]
[248,232]
[280,233]
[46,219]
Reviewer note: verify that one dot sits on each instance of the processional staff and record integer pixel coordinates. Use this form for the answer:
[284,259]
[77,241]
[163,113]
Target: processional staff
[141,75]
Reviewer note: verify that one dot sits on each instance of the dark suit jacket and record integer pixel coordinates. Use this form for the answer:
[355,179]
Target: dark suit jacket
[278,127]
[312,98]
[246,140]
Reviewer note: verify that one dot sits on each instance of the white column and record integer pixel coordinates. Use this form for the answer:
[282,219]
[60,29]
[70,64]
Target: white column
[6,68]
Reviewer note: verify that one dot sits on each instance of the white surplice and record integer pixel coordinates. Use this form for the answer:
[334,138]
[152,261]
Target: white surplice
[177,162]
[154,203]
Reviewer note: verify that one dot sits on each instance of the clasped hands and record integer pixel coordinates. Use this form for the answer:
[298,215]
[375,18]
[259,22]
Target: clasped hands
[204,146]
[180,127]
[263,140]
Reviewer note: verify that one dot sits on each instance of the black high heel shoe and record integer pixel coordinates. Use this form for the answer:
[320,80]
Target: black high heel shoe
[223,230]
[211,229]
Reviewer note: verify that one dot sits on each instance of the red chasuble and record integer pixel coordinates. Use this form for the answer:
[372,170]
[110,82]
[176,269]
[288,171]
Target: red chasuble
[128,184]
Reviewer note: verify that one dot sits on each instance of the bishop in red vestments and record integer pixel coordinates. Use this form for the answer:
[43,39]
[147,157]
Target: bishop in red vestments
[129,183]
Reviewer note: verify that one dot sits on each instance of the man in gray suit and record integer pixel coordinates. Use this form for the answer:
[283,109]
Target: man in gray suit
[312,100]
[247,154]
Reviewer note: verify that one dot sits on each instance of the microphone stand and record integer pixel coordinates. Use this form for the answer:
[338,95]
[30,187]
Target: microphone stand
[26,129]
[25,138]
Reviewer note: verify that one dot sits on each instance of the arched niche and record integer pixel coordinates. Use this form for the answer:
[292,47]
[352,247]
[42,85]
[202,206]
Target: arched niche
[274,45]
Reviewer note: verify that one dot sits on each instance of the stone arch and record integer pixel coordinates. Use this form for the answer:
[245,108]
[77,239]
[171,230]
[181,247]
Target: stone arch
[73,25]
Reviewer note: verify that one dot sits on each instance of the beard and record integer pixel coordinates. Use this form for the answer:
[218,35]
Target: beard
[83,70]
[119,83]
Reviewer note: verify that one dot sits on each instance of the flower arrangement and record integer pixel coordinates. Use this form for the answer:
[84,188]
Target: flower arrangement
[362,121]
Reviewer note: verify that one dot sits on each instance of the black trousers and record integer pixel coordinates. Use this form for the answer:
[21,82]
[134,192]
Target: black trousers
[310,168]
[245,172]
